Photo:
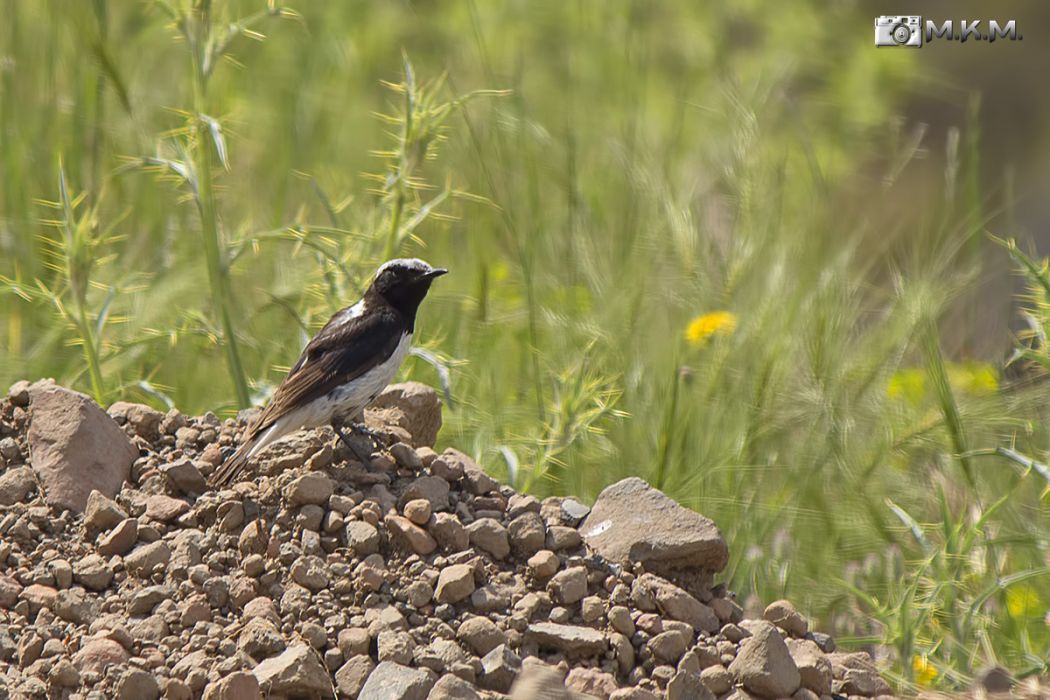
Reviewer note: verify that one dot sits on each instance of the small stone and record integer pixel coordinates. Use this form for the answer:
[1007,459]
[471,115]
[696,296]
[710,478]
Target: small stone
[717,679]
[668,647]
[239,685]
[391,681]
[312,488]
[351,676]
[727,610]
[93,572]
[120,539]
[784,615]
[764,665]
[480,634]
[686,685]
[678,604]
[432,488]
[184,477]
[396,646]
[406,456]
[454,583]
[10,589]
[418,510]
[145,559]
[65,675]
[310,572]
[451,687]
[261,607]
[813,667]
[260,638]
[101,512]
[620,619]
[475,479]
[591,682]
[571,640]
[409,534]
[449,532]
[144,600]
[98,654]
[498,669]
[544,564]
[75,606]
[569,586]
[298,670]
[561,538]
[15,485]
[855,674]
[353,641]
[488,535]
[527,534]
[591,609]
[362,538]
[136,684]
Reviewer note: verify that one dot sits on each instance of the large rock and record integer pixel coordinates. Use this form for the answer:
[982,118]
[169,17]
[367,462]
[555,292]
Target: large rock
[75,446]
[298,671]
[412,406]
[764,665]
[632,521]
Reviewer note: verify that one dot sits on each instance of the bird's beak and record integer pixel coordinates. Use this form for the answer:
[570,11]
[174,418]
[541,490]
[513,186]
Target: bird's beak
[436,272]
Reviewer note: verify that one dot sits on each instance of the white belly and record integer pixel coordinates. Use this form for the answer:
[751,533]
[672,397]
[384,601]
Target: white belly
[340,404]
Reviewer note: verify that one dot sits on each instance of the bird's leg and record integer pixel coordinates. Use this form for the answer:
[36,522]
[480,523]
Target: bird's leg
[363,458]
[362,429]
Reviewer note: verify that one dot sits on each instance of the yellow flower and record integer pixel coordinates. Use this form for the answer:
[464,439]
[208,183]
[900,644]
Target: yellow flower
[924,671]
[701,328]
[1022,601]
[975,378]
[908,384]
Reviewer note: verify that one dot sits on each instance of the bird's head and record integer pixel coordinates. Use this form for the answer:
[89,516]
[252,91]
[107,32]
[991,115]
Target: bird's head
[404,282]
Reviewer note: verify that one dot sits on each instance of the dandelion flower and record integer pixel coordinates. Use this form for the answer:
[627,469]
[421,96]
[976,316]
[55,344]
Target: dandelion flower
[924,671]
[702,327]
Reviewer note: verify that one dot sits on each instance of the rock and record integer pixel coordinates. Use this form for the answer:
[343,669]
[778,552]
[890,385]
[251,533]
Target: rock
[678,604]
[405,456]
[75,606]
[396,646]
[239,685]
[409,534]
[147,558]
[144,420]
[995,679]
[418,511]
[527,534]
[120,539]
[136,684]
[19,393]
[351,676]
[253,538]
[855,674]
[561,538]
[99,653]
[262,607]
[93,572]
[764,665]
[591,682]
[298,670]
[433,488]
[480,634]
[491,598]
[571,640]
[101,512]
[686,685]
[164,509]
[450,687]
[620,619]
[313,488]
[65,675]
[727,610]
[76,447]
[260,639]
[813,667]
[15,485]
[499,668]
[544,564]
[488,535]
[354,641]
[449,532]
[362,538]
[569,586]
[310,572]
[10,589]
[454,583]
[412,406]
[184,477]
[717,679]
[390,681]
[631,521]
[668,647]
[783,614]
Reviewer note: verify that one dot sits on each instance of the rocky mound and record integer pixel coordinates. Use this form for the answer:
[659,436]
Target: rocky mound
[415,576]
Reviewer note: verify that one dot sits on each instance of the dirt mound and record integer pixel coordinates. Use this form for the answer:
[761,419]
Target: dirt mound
[415,576]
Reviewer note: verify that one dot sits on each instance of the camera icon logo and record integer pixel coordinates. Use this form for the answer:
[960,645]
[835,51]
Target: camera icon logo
[898,30]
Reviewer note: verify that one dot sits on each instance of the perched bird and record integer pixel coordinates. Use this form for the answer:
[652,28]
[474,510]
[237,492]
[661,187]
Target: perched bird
[347,364]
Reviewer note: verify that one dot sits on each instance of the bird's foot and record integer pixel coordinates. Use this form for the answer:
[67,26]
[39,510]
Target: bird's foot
[352,446]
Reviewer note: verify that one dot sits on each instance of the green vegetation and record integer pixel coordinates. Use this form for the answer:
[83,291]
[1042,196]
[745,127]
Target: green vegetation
[667,226]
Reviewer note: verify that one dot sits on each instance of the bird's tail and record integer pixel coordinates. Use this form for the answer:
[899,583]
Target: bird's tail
[229,470]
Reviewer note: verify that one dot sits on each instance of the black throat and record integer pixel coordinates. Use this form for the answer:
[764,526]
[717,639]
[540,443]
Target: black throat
[404,298]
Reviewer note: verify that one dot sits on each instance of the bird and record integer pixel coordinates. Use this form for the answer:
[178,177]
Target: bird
[344,367]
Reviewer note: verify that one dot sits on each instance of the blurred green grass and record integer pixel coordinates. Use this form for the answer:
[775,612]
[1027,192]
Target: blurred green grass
[649,163]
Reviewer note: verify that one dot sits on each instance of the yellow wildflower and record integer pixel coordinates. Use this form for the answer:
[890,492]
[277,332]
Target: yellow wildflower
[974,378]
[701,328]
[924,671]
[1022,601]
[908,384]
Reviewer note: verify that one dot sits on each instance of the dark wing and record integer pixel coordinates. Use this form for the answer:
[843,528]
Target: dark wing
[343,350]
